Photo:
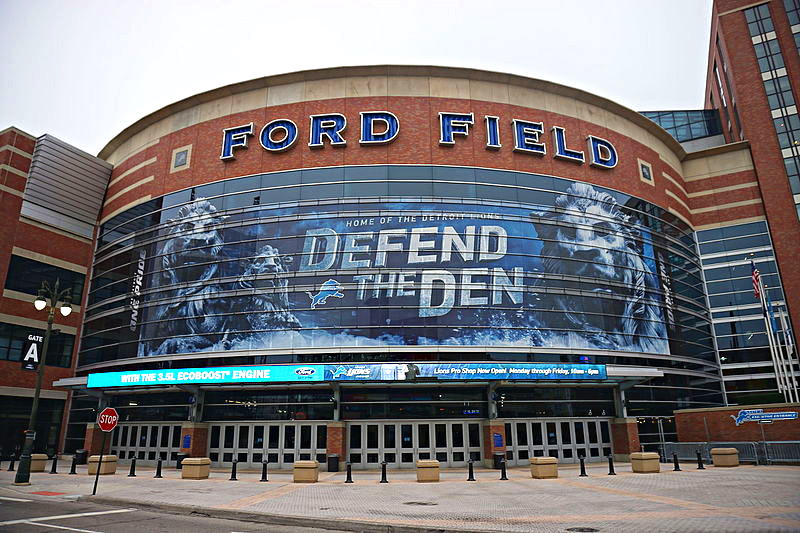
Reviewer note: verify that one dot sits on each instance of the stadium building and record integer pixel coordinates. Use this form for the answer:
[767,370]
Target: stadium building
[392,263]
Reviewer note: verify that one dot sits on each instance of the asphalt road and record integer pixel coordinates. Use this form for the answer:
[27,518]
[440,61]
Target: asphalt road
[41,516]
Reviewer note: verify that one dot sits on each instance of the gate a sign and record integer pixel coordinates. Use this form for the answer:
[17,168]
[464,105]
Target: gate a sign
[108,418]
[32,352]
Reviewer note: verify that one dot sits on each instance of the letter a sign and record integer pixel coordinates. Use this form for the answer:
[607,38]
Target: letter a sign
[32,353]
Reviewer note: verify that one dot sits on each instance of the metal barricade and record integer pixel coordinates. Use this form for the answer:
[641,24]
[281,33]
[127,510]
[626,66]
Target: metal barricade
[760,453]
[782,451]
[687,451]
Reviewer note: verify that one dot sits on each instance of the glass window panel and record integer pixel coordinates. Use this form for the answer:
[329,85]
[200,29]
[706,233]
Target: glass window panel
[424,435]
[305,436]
[440,431]
[273,437]
[389,440]
[566,436]
[406,439]
[355,436]
[458,435]
[474,431]
[288,436]
[372,436]
[322,437]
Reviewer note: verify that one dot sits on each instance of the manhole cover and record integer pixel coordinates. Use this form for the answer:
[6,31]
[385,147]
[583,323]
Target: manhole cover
[420,503]
[582,529]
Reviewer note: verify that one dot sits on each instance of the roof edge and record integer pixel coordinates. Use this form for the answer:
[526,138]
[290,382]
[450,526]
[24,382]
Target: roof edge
[389,70]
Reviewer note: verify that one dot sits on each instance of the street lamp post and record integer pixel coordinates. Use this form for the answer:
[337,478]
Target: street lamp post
[23,475]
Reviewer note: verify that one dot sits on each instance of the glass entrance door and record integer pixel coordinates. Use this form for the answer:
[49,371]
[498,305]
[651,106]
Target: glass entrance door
[565,439]
[401,444]
[146,442]
[280,443]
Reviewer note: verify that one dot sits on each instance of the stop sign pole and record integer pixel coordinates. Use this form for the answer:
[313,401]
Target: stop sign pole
[107,420]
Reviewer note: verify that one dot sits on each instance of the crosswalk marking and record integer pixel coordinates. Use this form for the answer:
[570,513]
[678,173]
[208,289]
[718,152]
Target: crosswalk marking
[63,516]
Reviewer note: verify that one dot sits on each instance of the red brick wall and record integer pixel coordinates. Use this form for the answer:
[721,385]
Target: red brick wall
[94,439]
[691,425]
[417,143]
[14,231]
[730,26]
[336,441]
[198,446]
[625,436]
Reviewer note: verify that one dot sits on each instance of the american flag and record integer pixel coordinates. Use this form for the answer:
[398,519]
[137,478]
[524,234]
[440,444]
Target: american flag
[756,278]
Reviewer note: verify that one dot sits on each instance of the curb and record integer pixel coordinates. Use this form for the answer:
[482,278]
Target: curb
[274,519]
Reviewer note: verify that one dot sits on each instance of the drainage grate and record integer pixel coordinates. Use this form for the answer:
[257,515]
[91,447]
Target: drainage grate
[420,503]
[582,529]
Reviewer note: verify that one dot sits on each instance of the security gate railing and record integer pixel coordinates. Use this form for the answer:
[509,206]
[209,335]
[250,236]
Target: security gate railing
[762,453]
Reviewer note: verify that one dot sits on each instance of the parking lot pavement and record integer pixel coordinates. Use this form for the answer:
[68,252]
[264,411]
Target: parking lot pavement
[747,498]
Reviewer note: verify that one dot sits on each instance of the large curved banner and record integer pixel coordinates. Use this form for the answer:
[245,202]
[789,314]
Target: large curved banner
[581,274]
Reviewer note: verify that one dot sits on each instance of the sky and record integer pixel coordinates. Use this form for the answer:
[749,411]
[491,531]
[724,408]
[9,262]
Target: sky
[85,70]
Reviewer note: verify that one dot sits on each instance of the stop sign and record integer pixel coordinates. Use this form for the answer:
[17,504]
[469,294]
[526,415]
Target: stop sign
[108,419]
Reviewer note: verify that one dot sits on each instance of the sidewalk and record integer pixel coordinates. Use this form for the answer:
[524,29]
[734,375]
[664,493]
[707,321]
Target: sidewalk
[747,498]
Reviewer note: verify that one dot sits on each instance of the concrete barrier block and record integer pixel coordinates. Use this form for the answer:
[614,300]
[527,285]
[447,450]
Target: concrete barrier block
[725,457]
[544,467]
[427,471]
[645,463]
[196,468]
[38,462]
[109,465]
[305,472]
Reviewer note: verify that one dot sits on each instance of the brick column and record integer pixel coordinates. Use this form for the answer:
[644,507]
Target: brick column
[624,438]
[336,443]
[197,433]
[495,426]
[94,439]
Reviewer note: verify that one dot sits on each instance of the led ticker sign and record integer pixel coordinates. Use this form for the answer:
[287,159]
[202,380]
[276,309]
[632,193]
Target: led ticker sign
[351,372]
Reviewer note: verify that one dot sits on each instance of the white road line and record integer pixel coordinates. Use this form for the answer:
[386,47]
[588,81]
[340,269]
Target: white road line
[62,527]
[63,516]
[14,499]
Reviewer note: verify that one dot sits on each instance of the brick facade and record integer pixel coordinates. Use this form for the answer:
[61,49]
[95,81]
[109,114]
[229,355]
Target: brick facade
[717,424]
[731,49]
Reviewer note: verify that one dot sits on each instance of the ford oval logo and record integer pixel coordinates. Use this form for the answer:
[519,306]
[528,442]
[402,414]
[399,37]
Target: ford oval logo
[304,371]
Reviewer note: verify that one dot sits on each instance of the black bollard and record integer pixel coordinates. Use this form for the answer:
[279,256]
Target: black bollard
[611,465]
[132,473]
[233,470]
[74,464]
[383,472]
[677,467]
[583,466]
[55,464]
[700,461]
[264,472]
[471,476]
[349,468]
[11,464]
[158,469]
[503,476]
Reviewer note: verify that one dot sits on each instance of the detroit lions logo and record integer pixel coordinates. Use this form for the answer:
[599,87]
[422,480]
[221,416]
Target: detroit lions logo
[328,289]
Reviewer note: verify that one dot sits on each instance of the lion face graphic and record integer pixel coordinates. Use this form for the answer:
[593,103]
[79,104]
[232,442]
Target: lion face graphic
[587,235]
[202,313]
[269,306]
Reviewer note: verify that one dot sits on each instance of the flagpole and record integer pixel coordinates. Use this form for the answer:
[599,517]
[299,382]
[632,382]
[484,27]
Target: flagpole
[782,388]
[779,349]
[789,351]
